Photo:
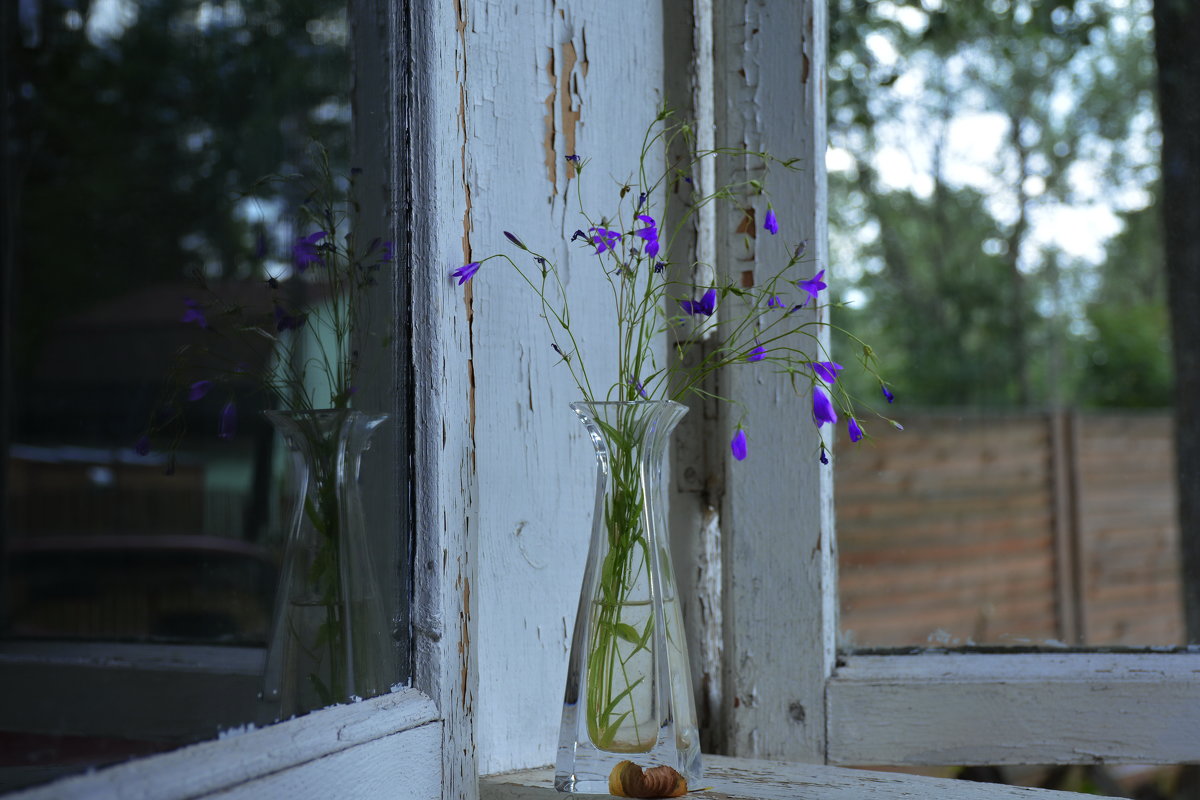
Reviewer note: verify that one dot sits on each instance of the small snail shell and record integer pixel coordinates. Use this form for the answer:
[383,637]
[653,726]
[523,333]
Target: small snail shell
[627,779]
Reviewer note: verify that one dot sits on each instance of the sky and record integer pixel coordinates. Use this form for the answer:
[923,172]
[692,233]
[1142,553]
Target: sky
[975,152]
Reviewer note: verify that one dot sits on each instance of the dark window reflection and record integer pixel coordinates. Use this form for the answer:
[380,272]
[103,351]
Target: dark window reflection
[132,134]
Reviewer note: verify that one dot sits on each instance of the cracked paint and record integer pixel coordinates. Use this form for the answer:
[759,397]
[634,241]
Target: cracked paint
[563,106]
[569,97]
[551,156]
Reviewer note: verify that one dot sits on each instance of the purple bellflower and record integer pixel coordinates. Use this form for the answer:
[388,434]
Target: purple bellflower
[823,410]
[706,305]
[650,234]
[738,445]
[193,313]
[856,432]
[886,393]
[824,457]
[813,285]
[775,301]
[389,252]
[305,252]
[227,425]
[285,321]
[770,223]
[641,390]
[574,159]
[465,273]
[604,239]
[757,354]
[826,371]
[198,390]
[515,240]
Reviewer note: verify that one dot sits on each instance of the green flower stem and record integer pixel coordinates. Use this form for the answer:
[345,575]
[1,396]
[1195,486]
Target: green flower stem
[325,574]
[611,705]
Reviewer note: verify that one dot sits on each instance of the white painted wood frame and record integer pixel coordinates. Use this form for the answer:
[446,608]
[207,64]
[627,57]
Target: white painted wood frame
[501,515]
[780,587]
[787,695]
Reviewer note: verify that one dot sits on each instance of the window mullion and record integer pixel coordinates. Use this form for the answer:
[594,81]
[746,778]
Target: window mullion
[779,604]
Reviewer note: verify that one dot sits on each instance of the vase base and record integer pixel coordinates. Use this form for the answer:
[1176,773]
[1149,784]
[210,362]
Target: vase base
[583,769]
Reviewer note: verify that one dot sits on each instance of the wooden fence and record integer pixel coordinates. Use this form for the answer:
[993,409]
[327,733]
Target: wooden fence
[1010,530]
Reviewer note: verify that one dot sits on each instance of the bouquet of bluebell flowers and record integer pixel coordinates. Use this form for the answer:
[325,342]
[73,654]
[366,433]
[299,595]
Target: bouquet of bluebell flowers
[628,589]
[630,248]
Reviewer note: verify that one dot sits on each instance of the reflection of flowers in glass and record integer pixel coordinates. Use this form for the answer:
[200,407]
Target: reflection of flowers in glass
[330,302]
[198,390]
[285,321]
[305,251]
[193,313]
[227,425]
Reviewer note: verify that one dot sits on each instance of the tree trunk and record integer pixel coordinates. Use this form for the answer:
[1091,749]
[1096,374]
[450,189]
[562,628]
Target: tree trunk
[1177,26]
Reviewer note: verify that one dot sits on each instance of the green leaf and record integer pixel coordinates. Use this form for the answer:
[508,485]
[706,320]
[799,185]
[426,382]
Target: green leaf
[628,633]
[610,732]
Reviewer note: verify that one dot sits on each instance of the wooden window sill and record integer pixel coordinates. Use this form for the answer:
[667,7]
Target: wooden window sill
[750,779]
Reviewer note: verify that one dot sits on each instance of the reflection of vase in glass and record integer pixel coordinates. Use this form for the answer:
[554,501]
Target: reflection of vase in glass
[332,635]
[629,694]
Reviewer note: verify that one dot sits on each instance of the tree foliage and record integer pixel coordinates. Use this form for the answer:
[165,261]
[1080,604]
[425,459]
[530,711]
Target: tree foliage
[970,136]
[134,139]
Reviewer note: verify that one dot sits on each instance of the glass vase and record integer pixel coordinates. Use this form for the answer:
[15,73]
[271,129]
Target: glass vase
[331,640]
[629,693]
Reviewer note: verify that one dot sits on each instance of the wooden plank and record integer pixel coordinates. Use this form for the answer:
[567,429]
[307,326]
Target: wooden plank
[970,551]
[1039,708]
[889,597]
[747,779]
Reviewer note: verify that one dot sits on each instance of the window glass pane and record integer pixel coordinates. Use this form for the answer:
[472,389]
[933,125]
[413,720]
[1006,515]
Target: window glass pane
[134,131]
[994,175]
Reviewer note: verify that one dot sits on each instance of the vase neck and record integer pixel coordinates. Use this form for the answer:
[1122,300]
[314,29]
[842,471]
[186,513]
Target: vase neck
[310,431]
[641,426]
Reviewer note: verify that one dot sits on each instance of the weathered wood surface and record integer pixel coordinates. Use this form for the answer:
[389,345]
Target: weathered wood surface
[1041,708]
[535,83]
[777,516]
[746,779]
[1129,533]
[1010,529]
[359,750]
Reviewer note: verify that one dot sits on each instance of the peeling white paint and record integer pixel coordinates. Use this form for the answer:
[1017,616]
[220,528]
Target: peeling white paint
[543,81]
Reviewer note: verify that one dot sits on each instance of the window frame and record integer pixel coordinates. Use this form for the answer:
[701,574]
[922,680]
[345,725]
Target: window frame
[788,694]
[784,691]
[417,736]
